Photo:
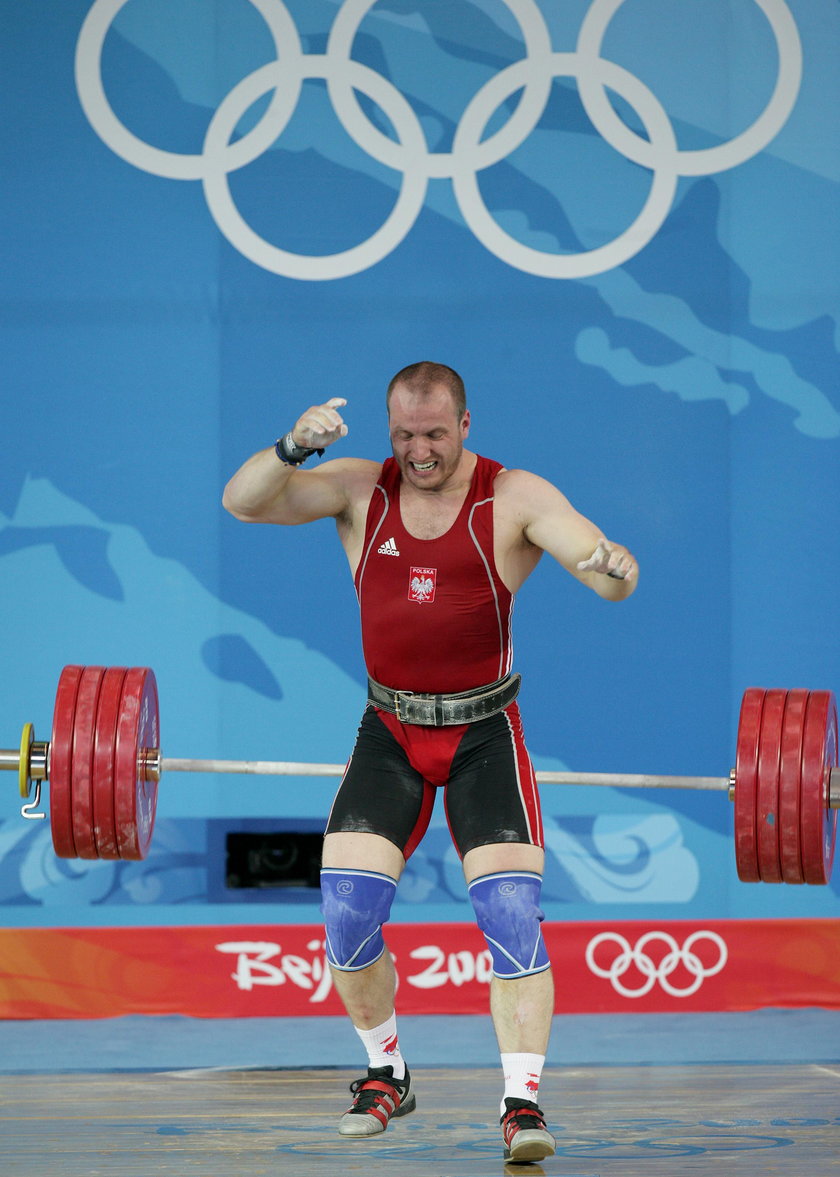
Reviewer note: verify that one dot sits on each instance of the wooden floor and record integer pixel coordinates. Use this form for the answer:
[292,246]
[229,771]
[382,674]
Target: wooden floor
[731,1121]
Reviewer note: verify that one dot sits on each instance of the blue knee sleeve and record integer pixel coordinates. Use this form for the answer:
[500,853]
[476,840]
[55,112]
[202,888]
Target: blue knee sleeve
[355,904]
[508,913]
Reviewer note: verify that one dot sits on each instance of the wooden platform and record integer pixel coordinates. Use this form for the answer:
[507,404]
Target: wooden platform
[731,1121]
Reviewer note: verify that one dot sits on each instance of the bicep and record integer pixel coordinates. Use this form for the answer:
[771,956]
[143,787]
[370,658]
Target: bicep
[310,495]
[302,497]
[555,526]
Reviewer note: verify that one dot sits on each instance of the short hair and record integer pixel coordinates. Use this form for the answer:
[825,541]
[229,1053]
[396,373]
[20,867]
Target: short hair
[421,378]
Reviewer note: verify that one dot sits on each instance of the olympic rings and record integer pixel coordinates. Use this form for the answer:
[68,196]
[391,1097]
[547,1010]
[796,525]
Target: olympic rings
[710,159]
[551,265]
[651,971]
[519,126]
[336,265]
[409,154]
[171,164]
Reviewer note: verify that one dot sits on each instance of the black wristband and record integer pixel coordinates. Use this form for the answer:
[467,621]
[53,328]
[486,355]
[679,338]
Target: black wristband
[292,454]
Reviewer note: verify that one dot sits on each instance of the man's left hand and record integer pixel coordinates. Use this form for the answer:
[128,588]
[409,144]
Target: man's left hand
[610,559]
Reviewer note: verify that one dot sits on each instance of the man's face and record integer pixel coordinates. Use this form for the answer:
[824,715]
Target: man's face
[426,436]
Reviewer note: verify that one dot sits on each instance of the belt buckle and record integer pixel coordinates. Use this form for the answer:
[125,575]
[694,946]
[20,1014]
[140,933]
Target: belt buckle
[397,696]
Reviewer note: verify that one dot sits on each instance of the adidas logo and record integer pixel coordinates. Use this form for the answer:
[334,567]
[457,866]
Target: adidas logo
[389,548]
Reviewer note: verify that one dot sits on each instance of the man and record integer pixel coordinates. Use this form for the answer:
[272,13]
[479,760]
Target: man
[439,540]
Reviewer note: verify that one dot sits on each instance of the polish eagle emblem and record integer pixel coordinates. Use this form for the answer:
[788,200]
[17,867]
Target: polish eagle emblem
[422,583]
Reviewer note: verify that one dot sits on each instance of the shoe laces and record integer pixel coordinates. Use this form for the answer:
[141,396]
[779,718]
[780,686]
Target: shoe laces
[368,1095]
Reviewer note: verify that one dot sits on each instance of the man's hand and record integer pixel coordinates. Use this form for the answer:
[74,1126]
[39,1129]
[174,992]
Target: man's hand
[320,426]
[610,559]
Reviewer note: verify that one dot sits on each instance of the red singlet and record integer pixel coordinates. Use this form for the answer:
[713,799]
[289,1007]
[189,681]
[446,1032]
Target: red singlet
[436,617]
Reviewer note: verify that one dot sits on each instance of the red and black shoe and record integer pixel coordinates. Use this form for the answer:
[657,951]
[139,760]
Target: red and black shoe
[524,1131]
[379,1096]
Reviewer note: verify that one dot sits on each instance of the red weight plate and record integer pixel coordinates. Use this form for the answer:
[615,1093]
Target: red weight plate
[790,771]
[84,731]
[767,786]
[138,727]
[746,775]
[104,751]
[61,761]
[818,823]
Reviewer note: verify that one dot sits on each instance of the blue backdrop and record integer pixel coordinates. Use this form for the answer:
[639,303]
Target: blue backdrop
[617,219]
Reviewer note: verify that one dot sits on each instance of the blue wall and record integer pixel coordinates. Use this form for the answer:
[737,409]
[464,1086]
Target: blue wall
[640,292]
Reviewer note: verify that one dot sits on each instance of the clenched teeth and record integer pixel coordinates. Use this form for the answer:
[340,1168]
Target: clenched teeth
[424,465]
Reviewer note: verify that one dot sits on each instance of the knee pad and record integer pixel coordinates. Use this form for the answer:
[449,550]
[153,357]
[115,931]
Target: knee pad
[508,913]
[355,904]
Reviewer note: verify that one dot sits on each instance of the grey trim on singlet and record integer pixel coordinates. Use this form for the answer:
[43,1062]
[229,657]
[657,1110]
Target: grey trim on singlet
[503,668]
[360,571]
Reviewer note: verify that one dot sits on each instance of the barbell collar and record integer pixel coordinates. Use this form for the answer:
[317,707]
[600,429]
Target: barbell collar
[39,760]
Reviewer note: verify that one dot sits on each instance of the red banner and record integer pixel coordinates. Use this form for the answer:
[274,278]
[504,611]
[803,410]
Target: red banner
[268,970]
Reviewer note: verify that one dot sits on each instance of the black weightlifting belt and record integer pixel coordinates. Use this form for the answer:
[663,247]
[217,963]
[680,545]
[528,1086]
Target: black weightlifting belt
[445,710]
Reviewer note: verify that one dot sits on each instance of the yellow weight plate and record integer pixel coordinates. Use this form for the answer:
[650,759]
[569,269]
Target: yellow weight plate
[24,779]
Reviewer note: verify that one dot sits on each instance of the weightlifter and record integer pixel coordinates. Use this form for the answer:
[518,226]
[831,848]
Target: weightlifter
[438,539]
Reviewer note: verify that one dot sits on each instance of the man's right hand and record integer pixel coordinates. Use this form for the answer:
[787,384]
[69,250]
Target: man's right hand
[320,425]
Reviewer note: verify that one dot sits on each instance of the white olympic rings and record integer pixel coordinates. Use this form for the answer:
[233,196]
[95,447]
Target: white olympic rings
[271,257]
[533,75]
[650,970]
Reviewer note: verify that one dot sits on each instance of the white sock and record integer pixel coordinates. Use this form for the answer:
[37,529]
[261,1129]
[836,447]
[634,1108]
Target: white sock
[383,1047]
[522,1077]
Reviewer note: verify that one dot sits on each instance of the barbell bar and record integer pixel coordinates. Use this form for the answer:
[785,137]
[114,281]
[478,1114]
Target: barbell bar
[104,763]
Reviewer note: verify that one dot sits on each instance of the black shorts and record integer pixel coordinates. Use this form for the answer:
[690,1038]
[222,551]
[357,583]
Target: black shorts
[389,786]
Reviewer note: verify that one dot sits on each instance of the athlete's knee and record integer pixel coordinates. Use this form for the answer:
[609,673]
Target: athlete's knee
[508,913]
[355,904]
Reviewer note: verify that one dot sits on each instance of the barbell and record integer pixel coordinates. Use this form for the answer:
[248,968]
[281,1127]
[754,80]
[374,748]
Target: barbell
[103,763]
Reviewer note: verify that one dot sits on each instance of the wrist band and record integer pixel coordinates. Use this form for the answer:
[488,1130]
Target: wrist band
[292,454]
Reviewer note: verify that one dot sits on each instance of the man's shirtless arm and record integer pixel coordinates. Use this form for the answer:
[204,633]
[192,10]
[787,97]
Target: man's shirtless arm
[541,517]
[266,490]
